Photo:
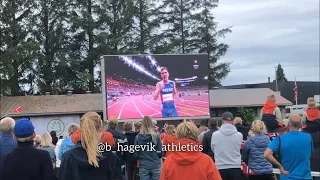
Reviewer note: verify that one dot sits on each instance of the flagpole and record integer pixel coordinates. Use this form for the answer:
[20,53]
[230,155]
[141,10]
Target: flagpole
[295,80]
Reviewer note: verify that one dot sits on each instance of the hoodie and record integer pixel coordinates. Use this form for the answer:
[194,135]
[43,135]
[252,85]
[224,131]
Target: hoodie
[66,145]
[254,149]
[75,165]
[193,165]
[168,141]
[148,157]
[225,144]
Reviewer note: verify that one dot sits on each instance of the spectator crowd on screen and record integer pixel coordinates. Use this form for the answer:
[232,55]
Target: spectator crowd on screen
[233,150]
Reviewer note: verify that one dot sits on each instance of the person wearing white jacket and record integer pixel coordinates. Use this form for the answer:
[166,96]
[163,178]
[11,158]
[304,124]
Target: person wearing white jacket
[56,150]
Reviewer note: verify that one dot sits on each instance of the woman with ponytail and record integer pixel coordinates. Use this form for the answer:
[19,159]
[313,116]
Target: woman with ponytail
[86,160]
[149,159]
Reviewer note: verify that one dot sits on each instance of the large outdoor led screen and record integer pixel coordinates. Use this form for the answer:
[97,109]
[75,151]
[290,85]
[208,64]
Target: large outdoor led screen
[159,86]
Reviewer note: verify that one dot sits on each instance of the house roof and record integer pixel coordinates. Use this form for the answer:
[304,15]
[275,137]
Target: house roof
[51,104]
[82,103]
[243,97]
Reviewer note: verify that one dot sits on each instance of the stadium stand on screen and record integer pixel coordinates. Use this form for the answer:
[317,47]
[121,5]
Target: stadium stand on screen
[159,86]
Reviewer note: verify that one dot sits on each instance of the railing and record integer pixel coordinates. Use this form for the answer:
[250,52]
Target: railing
[313,174]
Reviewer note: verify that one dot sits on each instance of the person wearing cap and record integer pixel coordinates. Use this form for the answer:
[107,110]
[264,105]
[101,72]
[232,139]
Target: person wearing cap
[225,145]
[206,141]
[26,162]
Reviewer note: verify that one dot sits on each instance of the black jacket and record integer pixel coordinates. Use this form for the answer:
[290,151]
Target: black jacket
[206,142]
[315,157]
[75,165]
[27,163]
[128,156]
[243,130]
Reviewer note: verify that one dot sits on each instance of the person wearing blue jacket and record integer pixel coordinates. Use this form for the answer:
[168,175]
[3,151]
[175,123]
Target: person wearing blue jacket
[254,149]
[67,143]
[149,158]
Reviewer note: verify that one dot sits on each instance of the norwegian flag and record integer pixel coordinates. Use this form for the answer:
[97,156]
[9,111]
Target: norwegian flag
[17,110]
[295,91]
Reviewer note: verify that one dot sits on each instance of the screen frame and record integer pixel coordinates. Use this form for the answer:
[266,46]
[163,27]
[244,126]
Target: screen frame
[104,89]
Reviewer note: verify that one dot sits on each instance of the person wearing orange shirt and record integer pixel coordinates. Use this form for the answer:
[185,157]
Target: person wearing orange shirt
[271,114]
[311,117]
[187,161]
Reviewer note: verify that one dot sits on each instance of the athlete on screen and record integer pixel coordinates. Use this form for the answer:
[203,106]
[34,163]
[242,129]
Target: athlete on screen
[166,89]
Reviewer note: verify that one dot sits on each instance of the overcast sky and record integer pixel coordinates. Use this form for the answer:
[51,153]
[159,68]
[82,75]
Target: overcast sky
[268,32]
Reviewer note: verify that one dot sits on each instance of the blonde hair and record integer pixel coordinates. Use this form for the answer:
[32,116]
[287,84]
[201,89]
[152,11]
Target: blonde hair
[258,127]
[37,139]
[26,139]
[127,126]
[72,128]
[272,98]
[187,130]
[137,125]
[90,128]
[148,128]
[170,130]
[311,102]
[112,122]
[46,140]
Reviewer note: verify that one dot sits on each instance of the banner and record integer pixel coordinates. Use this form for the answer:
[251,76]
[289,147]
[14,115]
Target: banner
[58,123]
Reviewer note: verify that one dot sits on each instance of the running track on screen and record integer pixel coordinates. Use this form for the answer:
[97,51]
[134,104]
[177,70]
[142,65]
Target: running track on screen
[136,107]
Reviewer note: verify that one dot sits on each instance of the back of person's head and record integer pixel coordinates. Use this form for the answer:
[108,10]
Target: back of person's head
[213,123]
[37,139]
[148,128]
[258,127]
[72,128]
[295,122]
[7,125]
[170,130]
[187,130]
[127,126]
[112,123]
[53,134]
[46,140]
[227,118]
[137,126]
[24,131]
[237,120]
[311,102]
[90,128]
[271,98]
[198,125]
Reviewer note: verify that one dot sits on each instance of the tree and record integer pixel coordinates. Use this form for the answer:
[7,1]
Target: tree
[247,114]
[143,33]
[280,74]
[205,36]
[50,33]
[176,16]
[17,50]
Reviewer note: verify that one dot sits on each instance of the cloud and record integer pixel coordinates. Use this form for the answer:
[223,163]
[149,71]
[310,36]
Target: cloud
[268,32]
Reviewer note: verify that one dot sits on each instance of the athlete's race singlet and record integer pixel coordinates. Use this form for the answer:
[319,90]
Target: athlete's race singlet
[166,95]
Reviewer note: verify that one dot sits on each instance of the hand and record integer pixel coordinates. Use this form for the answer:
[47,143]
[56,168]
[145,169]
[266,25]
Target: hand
[283,172]
[160,85]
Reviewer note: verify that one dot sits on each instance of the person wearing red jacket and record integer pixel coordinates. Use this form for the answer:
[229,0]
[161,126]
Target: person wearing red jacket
[311,117]
[187,161]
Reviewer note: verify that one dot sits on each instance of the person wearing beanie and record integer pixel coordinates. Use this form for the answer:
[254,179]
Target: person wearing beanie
[225,145]
[26,162]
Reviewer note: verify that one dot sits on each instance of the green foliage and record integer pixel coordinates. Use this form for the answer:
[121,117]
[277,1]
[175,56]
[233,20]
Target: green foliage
[247,114]
[55,46]
[281,77]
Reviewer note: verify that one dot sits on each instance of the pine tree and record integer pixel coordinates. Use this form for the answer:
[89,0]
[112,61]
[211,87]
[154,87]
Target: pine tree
[17,50]
[281,77]
[205,36]
[50,33]
[176,20]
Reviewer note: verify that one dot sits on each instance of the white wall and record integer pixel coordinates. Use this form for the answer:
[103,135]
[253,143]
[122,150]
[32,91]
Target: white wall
[57,123]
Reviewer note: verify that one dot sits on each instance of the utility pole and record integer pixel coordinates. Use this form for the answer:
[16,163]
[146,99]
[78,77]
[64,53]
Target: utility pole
[276,79]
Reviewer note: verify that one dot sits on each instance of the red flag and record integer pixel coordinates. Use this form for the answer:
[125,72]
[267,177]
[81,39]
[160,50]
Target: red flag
[295,90]
[18,110]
